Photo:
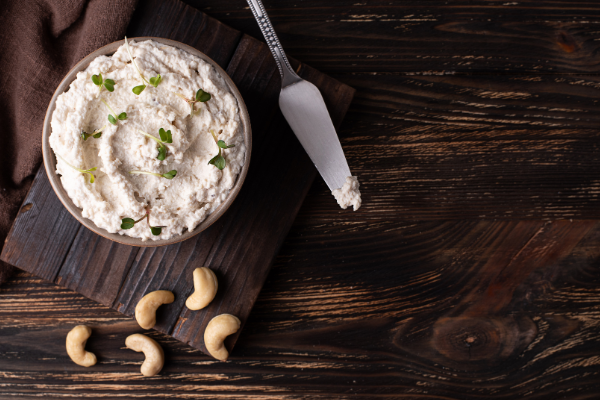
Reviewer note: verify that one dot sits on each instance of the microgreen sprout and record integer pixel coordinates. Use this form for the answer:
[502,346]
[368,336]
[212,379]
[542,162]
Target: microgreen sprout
[128,223]
[165,137]
[113,117]
[200,97]
[83,171]
[153,81]
[109,84]
[168,175]
[218,160]
[96,134]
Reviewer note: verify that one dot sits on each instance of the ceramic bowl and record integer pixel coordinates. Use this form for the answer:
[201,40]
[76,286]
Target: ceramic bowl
[50,158]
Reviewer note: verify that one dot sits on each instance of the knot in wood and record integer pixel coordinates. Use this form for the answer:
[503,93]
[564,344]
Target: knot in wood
[566,42]
[466,339]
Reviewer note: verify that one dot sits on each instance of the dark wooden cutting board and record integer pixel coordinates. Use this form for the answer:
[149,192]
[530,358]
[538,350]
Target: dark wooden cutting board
[240,247]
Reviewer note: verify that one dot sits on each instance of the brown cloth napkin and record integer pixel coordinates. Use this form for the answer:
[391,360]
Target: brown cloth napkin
[40,40]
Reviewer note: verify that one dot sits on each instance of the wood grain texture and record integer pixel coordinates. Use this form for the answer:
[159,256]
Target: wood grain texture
[475,140]
[429,37]
[494,122]
[239,248]
[455,147]
[427,325]
[177,21]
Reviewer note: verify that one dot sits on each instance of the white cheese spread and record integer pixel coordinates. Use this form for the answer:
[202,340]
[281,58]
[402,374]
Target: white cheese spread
[348,194]
[177,204]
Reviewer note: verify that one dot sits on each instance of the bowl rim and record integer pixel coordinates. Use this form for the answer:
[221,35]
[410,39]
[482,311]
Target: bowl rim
[50,158]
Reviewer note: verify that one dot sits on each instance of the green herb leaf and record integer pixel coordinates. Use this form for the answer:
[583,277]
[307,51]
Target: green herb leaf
[89,172]
[218,161]
[97,79]
[127,223]
[109,84]
[138,89]
[162,134]
[122,116]
[222,145]
[112,119]
[156,230]
[165,136]
[202,96]
[95,134]
[162,152]
[156,80]
[170,174]
[162,149]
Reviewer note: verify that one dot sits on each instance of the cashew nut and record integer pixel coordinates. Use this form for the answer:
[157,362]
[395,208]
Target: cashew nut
[205,289]
[216,331]
[145,310]
[76,340]
[155,357]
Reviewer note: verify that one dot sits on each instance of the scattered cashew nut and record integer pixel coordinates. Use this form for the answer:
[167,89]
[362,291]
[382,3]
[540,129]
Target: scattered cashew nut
[145,310]
[76,340]
[216,331]
[155,357]
[205,289]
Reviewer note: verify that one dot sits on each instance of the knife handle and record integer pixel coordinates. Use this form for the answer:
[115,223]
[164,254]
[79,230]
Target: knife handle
[288,76]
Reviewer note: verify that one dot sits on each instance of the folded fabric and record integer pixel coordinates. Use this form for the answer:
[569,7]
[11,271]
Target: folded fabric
[39,42]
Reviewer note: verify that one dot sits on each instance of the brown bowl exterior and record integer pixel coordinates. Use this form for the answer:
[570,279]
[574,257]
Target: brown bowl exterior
[50,159]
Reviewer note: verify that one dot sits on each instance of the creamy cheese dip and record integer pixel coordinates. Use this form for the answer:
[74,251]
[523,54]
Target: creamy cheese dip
[348,194]
[178,204]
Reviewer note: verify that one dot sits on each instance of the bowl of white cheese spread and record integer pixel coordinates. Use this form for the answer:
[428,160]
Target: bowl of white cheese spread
[147,141]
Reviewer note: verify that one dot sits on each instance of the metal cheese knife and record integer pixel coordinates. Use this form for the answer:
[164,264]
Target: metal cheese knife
[304,109]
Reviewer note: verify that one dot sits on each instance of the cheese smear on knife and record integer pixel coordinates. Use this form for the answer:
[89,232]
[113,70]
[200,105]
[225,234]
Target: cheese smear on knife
[175,205]
[348,194]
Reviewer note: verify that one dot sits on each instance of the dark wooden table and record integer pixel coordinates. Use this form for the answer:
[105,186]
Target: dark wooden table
[470,272]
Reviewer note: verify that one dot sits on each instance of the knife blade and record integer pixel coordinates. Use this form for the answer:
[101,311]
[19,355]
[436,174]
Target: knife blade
[304,109]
